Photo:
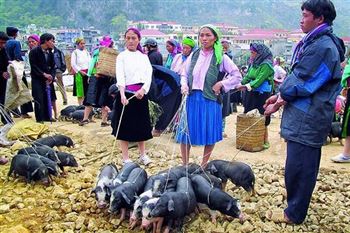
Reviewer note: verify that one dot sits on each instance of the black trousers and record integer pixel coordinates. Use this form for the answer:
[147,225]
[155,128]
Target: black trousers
[302,165]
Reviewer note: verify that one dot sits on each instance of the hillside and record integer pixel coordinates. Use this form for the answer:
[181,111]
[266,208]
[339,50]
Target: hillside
[99,13]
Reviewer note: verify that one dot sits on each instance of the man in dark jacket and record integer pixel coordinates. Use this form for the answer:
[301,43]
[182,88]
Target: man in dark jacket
[308,95]
[155,57]
[43,71]
[3,76]
[13,50]
[3,81]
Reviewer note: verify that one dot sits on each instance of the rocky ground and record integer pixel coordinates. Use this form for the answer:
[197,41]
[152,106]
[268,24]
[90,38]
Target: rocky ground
[67,206]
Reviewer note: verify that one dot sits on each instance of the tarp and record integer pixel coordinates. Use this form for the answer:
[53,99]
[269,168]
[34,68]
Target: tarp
[26,128]
[16,91]
[166,92]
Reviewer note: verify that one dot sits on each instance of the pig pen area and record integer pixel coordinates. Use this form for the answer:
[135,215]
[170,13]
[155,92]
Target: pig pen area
[68,206]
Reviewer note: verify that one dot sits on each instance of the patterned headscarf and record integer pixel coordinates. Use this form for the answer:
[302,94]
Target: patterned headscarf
[176,45]
[137,32]
[218,50]
[264,54]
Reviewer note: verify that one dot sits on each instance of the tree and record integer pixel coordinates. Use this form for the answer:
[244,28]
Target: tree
[120,23]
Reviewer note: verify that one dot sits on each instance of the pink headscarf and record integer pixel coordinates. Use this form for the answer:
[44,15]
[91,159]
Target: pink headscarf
[34,37]
[137,32]
[106,41]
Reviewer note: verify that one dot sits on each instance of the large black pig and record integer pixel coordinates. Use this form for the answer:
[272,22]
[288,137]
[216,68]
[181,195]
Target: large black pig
[31,168]
[240,174]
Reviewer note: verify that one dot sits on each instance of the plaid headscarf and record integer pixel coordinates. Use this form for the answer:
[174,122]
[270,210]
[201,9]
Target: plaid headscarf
[218,50]
[264,54]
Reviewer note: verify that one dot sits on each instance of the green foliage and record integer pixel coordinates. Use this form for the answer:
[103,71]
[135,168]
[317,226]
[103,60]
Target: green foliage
[111,15]
[119,23]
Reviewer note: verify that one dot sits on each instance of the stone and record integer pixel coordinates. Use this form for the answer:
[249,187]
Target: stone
[17,229]
[79,223]
[4,209]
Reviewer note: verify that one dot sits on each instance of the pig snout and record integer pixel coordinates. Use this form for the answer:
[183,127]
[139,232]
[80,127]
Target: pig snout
[46,181]
[241,217]
[101,204]
[145,224]
[132,217]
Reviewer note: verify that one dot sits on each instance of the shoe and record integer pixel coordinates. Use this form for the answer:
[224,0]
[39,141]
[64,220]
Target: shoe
[145,160]
[156,133]
[266,145]
[341,159]
[104,124]
[83,122]
[127,161]
[277,216]
[24,116]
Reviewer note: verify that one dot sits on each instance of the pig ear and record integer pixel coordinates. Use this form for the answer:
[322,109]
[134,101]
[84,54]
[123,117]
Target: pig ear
[171,205]
[213,168]
[229,205]
[126,198]
[67,160]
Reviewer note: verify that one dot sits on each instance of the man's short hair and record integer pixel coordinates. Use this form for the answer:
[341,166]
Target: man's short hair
[46,37]
[3,36]
[11,31]
[320,8]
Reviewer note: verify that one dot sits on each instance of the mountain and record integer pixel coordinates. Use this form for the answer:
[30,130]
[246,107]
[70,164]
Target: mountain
[99,13]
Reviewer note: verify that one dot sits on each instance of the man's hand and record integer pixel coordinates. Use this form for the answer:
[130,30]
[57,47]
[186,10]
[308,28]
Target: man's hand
[217,87]
[6,75]
[271,100]
[140,93]
[271,108]
[49,78]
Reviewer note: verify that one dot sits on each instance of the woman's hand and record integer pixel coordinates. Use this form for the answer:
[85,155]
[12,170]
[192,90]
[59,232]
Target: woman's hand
[83,73]
[140,93]
[241,87]
[184,89]
[6,75]
[123,99]
[217,87]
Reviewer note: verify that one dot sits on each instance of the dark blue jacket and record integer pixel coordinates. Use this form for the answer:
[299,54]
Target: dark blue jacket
[13,49]
[311,90]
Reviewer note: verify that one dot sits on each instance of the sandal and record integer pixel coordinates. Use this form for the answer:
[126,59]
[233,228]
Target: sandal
[83,122]
[104,124]
[277,216]
[266,145]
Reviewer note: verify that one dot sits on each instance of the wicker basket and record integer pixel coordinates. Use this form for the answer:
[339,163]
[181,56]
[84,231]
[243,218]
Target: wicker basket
[106,62]
[250,132]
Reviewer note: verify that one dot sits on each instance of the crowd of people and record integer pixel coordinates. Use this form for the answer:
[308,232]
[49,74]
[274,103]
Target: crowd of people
[207,77]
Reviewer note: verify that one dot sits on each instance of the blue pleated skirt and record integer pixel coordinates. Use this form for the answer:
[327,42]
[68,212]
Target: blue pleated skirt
[203,125]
